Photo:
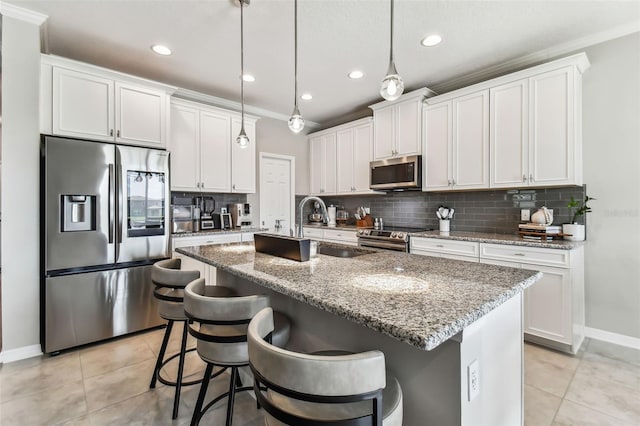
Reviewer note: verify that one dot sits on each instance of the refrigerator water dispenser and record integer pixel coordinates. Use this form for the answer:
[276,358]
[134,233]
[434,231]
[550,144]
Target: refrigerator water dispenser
[78,213]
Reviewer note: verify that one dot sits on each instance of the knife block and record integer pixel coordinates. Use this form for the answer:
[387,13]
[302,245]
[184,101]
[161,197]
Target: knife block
[367,222]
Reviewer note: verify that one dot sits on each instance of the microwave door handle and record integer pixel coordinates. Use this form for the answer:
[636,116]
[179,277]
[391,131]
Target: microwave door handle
[111,201]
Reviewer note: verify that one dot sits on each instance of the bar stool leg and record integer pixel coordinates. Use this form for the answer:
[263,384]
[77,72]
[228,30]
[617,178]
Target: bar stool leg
[163,349]
[183,349]
[203,392]
[232,394]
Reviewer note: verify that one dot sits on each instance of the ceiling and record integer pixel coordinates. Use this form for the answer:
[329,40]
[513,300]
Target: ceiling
[335,37]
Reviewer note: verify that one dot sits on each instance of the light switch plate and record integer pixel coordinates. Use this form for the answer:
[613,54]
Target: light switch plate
[473,379]
[525,215]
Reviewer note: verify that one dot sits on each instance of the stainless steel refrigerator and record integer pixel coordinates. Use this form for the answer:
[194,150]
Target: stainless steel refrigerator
[104,221]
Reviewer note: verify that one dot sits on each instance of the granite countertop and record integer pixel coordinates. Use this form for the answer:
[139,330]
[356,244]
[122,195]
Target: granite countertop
[216,232]
[514,240]
[418,300]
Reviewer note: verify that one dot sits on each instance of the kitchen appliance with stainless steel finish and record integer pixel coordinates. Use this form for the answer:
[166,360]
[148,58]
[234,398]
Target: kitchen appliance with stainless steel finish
[392,238]
[104,222]
[240,215]
[182,219]
[396,174]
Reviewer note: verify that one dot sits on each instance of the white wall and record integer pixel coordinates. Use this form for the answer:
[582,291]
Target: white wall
[611,135]
[20,175]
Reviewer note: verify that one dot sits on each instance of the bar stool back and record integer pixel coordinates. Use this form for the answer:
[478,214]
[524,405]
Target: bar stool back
[170,281]
[303,389]
[222,337]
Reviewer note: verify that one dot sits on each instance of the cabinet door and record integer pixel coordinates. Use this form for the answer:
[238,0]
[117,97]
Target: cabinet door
[140,115]
[509,137]
[344,161]
[384,133]
[82,105]
[315,165]
[547,305]
[408,127]
[184,146]
[552,137]
[436,168]
[362,151]
[471,141]
[215,152]
[329,150]
[243,160]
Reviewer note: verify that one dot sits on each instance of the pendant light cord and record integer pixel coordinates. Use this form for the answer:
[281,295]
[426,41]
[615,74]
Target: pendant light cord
[391,47]
[295,66]
[242,62]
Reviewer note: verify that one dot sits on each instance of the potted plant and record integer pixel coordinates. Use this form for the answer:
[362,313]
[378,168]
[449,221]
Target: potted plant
[576,230]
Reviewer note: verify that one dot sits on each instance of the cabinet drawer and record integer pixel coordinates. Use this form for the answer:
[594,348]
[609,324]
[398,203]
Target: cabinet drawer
[313,233]
[440,246]
[205,240]
[529,255]
[336,235]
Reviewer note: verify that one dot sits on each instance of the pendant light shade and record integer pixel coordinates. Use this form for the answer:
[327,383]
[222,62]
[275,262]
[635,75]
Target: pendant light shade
[242,139]
[296,122]
[392,85]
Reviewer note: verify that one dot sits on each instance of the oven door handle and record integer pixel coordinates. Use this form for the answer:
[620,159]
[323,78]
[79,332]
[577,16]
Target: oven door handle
[381,244]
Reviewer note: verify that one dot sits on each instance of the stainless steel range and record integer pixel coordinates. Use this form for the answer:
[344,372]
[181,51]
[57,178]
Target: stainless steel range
[392,238]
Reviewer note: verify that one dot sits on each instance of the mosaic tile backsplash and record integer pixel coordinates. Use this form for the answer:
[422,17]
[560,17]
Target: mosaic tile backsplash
[496,211]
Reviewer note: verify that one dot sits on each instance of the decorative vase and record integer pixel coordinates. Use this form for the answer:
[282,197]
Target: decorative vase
[444,226]
[576,231]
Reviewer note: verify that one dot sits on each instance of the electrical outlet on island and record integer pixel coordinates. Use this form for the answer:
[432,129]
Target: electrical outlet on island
[473,380]
[525,215]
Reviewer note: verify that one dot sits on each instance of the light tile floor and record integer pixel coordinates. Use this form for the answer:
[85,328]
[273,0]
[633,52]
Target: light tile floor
[108,384]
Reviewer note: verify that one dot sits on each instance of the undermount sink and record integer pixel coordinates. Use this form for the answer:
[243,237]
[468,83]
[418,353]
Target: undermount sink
[341,252]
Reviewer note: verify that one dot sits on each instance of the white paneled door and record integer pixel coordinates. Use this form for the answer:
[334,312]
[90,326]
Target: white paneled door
[277,192]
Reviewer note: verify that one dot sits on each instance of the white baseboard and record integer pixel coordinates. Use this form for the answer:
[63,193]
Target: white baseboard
[607,336]
[20,353]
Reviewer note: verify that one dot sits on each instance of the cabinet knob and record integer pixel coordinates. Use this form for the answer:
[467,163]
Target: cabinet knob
[202,185]
[531,178]
[448,183]
[524,178]
[118,133]
[111,132]
[518,254]
[453,183]
[233,186]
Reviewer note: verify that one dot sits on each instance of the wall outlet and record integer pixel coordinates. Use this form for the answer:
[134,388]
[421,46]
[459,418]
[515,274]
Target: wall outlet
[525,215]
[473,379]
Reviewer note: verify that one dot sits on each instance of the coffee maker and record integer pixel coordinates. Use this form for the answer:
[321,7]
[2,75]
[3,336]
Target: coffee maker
[241,215]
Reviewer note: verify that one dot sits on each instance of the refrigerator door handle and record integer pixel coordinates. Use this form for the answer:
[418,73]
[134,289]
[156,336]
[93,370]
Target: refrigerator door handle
[112,185]
[120,210]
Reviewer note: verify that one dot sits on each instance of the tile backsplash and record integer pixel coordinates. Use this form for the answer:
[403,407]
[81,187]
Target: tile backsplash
[221,199]
[496,211]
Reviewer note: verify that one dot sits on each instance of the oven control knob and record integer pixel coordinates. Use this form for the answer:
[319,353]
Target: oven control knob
[393,235]
[400,235]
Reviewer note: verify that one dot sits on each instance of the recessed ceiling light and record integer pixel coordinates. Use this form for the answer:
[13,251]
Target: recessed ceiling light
[431,40]
[356,74]
[249,78]
[161,50]
[306,96]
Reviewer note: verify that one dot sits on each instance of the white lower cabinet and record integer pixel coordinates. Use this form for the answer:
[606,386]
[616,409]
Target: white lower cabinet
[553,306]
[340,236]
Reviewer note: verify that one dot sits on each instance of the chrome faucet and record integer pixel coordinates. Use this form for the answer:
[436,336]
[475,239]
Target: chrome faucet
[301,207]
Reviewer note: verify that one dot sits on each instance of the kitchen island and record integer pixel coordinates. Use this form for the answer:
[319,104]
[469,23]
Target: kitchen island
[433,318]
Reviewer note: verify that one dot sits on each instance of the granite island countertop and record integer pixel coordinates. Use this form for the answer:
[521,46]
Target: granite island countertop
[418,300]
[507,239]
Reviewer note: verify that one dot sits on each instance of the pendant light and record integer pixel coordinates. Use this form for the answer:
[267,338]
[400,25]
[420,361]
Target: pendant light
[392,85]
[242,139]
[296,122]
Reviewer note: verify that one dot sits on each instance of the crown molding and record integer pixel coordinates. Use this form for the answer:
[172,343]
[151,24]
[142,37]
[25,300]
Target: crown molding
[226,103]
[26,15]
[537,57]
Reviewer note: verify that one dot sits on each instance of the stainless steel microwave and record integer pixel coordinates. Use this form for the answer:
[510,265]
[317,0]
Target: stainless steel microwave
[396,174]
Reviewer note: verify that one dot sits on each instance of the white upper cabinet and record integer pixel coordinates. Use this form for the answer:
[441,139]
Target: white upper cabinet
[509,128]
[204,155]
[323,161]
[456,154]
[398,125]
[354,150]
[83,101]
[339,159]
[243,160]
[531,119]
